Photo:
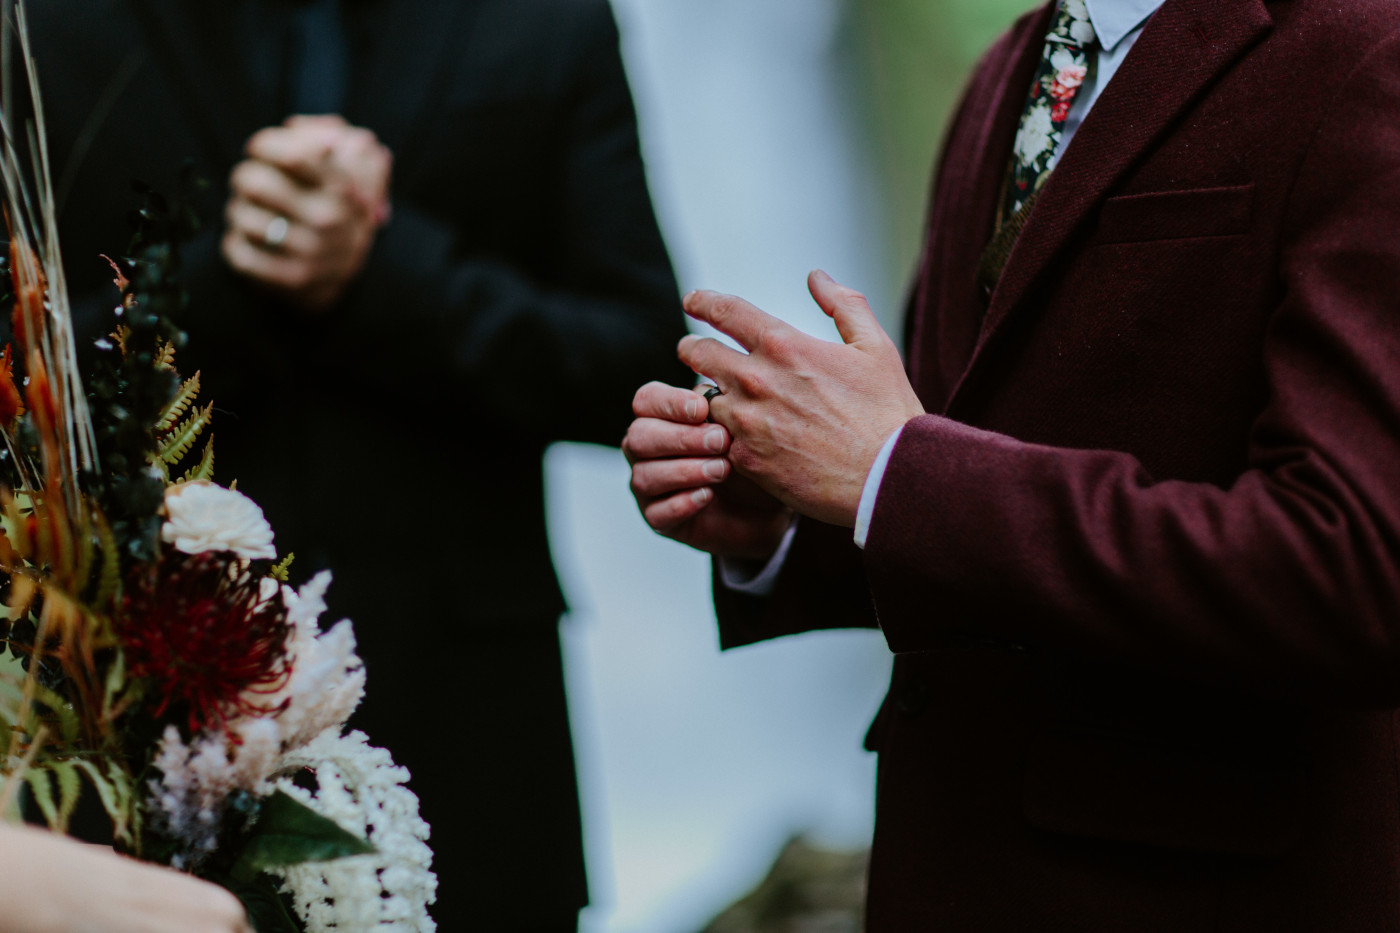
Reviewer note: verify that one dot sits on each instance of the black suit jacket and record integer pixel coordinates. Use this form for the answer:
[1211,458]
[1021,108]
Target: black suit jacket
[518,296]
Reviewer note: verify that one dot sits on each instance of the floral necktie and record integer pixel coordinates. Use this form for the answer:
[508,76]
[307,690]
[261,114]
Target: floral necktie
[1064,67]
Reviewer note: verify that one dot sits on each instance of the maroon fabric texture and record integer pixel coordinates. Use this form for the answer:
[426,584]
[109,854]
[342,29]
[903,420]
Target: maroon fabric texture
[1140,571]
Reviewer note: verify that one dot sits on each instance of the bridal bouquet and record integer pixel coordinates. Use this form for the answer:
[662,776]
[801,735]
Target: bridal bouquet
[160,661]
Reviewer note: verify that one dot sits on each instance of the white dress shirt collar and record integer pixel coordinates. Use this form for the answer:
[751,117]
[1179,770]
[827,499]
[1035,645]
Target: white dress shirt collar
[1114,19]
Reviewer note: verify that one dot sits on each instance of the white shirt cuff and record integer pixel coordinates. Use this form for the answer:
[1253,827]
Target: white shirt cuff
[866,509]
[735,574]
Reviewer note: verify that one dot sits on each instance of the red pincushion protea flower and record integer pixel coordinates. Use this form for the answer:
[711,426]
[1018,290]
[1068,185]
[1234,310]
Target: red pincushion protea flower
[195,625]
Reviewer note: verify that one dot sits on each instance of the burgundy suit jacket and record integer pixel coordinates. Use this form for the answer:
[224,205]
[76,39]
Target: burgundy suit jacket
[1141,572]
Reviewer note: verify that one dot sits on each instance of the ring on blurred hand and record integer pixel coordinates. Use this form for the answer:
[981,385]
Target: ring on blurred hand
[711,392]
[276,233]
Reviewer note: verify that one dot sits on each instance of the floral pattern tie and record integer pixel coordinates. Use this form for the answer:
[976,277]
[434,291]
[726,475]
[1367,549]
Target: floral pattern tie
[1064,67]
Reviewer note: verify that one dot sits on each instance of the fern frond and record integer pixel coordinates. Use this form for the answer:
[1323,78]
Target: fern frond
[280,571]
[114,788]
[119,337]
[176,408]
[70,785]
[205,470]
[110,576]
[165,355]
[184,435]
[41,790]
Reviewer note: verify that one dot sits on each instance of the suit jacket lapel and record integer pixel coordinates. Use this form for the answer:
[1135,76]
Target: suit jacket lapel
[405,71]
[1183,48]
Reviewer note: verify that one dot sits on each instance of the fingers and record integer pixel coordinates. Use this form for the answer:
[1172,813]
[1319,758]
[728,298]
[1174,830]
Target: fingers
[847,308]
[254,260]
[270,187]
[654,438]
[658,400]
[652,479]
[727,314]
[304,153]
[252,221]
[708,357]
[668,514]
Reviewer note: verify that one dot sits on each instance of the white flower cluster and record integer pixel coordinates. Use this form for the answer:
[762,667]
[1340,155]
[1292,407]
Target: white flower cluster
[188,800]
[361,789]
[327,680]
[203,517]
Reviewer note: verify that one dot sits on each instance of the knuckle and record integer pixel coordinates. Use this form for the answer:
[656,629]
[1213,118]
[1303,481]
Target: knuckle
[321,218]
[752,382]
[778,345]
[743,457]
[641,401]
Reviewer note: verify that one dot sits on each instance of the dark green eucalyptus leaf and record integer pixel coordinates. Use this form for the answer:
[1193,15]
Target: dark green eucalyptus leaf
[259,898]
[288,833]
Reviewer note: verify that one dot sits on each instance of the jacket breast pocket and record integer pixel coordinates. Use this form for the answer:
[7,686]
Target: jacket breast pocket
[1168,795]
[1171,215]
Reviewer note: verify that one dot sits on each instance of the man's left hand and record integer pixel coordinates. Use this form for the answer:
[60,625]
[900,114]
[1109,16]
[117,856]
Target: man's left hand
[807,416]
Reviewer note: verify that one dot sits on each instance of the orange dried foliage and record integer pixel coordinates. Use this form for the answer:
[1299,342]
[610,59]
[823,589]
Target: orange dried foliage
[11,404]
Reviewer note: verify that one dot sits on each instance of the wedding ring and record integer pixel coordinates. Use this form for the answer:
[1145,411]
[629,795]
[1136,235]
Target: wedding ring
[711,393]
[276,233]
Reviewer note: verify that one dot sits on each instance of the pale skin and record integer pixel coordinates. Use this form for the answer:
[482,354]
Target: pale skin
[330,180]
[798,425]
[58,885]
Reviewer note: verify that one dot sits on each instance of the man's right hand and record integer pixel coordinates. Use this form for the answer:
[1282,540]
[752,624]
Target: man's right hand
[685,486]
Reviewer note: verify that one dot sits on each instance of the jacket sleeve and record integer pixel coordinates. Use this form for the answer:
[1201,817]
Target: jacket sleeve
[1287,581]
[560,359]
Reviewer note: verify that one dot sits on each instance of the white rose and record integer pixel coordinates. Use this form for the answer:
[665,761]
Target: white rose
[203,517]
[1033,140]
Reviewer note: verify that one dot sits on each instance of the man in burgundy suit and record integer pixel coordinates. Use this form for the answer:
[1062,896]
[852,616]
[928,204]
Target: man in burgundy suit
[1131,522]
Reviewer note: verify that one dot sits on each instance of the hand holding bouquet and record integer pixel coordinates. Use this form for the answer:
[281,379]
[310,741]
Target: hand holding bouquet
[163,663]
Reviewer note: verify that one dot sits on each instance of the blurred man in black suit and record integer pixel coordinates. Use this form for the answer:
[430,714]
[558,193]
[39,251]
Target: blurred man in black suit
[398,302]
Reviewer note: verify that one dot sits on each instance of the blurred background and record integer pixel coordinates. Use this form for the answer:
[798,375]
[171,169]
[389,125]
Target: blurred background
[780,136]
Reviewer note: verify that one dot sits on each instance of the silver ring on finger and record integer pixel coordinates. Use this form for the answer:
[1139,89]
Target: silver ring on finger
[275,235]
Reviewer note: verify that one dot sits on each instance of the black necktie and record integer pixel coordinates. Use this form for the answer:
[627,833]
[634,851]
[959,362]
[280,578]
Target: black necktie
[320,68]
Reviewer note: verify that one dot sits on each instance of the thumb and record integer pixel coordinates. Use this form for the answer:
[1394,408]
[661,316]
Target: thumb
[847,308]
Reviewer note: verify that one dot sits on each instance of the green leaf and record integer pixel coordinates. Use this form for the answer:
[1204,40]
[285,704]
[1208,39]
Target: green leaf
[259,898]
[288,833]
[70,786]
[184,435]
[116,680]
[205,469]
[280,572]
[115,792]
[175,409]
[42,788]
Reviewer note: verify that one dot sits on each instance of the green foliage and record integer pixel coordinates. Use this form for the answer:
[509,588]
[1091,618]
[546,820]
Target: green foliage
[259,898]
[176,408]
[131,383]
[117,791]
[288,832]
[282,571]
[174,447]
[205,469]
[913,59]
